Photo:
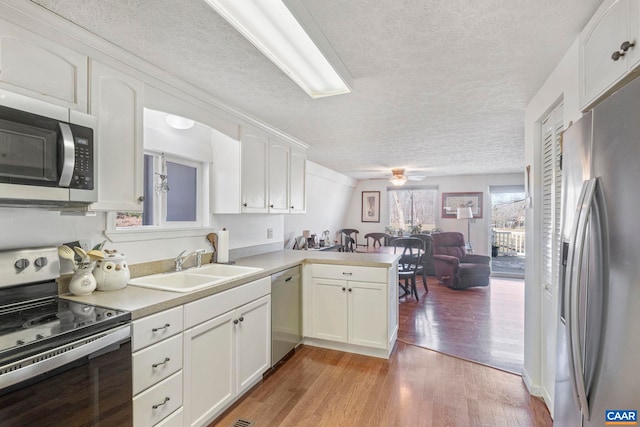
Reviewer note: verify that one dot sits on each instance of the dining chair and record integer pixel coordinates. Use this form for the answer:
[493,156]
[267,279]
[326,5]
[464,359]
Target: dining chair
[352,233]
[410,260]
[382,239]
[426,266]
[348,245]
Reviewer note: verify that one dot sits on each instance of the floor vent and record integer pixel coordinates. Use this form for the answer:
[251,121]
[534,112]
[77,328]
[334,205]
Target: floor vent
[242,423]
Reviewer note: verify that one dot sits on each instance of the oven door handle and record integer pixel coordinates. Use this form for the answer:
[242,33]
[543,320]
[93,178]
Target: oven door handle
[46,361]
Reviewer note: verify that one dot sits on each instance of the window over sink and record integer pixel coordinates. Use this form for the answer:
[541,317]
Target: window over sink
[177,156]
[171,194]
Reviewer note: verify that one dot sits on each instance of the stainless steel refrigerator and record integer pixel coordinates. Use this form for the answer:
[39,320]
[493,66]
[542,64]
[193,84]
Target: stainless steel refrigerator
[598,365]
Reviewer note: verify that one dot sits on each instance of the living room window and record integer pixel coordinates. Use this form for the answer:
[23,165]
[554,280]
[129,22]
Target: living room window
[412,209]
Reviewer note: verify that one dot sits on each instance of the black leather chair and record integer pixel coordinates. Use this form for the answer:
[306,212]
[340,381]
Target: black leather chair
[410,261]
[456,268]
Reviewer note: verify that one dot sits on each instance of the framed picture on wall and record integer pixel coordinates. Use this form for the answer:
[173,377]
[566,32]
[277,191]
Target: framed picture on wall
[370,206]
[452,201]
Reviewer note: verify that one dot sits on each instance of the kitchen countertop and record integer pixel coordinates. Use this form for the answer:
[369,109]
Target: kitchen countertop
[143,301]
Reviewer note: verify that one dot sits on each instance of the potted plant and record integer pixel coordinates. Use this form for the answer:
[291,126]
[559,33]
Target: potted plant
[415,229]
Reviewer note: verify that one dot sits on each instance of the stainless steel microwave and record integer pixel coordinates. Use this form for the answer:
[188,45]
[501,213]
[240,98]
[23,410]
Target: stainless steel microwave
[47,154]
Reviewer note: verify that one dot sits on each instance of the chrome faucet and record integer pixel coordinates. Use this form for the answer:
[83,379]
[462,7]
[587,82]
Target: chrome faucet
[180,259]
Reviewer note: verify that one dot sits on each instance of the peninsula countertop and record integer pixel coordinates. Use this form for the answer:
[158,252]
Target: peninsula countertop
[143,301]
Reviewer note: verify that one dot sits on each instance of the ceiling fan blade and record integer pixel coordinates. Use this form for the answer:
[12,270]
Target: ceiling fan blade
[416,177]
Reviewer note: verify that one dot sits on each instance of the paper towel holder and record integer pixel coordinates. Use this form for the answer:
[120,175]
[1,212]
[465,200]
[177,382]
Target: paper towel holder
[213,239]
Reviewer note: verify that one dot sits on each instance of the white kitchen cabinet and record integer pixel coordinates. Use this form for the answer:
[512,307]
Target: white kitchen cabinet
[225,186]
[255,171]
[157,368]
[225,354]
[273,175]
[278,176]
[298,181]
[615,22]
[35,66]
[353,305]
[117,101]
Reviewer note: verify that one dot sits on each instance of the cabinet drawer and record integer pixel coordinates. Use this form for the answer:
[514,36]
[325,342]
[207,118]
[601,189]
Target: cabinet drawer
[173,420]
[350,272]
[165,355]
[158,402]
[215,305]
[152,329]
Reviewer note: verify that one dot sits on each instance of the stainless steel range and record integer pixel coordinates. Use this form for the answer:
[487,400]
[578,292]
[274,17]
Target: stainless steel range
[61,362]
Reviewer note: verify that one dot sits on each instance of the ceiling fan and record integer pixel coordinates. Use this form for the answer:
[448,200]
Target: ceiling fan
[398,177]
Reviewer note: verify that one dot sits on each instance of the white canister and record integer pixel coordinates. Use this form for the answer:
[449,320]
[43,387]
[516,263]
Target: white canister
[82,282]
[112,272]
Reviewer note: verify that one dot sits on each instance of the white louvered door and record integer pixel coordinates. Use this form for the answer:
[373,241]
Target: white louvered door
[551,157]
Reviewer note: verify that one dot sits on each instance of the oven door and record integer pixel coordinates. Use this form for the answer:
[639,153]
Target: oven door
[85,383]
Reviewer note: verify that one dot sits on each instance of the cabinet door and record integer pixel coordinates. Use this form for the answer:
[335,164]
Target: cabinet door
[598,42]
[253,342]
[255,157]
[34,66]
[209,367]
[329,309]
[367,314]
[117,101]
[278,177]
[633,55]
[298,182]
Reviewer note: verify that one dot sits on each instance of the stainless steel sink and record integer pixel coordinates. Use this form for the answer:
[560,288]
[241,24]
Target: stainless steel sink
[194,279]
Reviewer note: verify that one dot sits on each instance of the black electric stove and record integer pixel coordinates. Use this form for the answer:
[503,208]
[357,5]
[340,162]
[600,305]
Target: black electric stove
[32,317]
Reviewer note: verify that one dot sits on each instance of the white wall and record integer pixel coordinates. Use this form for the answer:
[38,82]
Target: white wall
[328,197]
[561,86]
[480,228]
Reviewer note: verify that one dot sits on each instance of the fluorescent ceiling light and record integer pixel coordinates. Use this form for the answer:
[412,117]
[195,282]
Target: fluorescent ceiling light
[271,26]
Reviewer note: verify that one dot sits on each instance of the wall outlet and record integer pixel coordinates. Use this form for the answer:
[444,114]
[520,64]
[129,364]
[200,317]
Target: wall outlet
[269,233]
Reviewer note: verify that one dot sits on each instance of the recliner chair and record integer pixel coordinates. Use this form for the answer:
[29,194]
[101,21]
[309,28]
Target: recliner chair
[456,268]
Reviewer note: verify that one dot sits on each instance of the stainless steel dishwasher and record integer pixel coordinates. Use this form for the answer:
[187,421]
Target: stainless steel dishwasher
[286,328]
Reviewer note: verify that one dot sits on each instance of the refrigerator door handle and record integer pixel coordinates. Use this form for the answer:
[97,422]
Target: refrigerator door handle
[568,293]
[576,345]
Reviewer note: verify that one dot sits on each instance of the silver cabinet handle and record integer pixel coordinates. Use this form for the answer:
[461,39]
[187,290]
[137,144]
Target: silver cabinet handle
[166,325]
[155,365]
[347,274]
[164,402]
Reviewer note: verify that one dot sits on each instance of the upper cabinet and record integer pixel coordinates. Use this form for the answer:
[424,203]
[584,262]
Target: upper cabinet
[117,101]
[255,171]
[609,51]
[37,67]
[278,177]
[273,175]
[298,181]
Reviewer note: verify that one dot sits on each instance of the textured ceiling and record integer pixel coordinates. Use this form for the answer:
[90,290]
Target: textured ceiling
[439,87]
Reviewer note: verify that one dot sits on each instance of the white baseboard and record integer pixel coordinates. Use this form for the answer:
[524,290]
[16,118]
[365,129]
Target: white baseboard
[534,389]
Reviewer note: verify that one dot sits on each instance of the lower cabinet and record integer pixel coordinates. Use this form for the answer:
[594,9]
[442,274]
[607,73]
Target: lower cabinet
[225,355]
[157,369]
[353,305]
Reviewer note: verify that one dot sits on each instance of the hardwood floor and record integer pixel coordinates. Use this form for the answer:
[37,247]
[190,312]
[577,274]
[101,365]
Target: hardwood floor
[416,387]
[484,324]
